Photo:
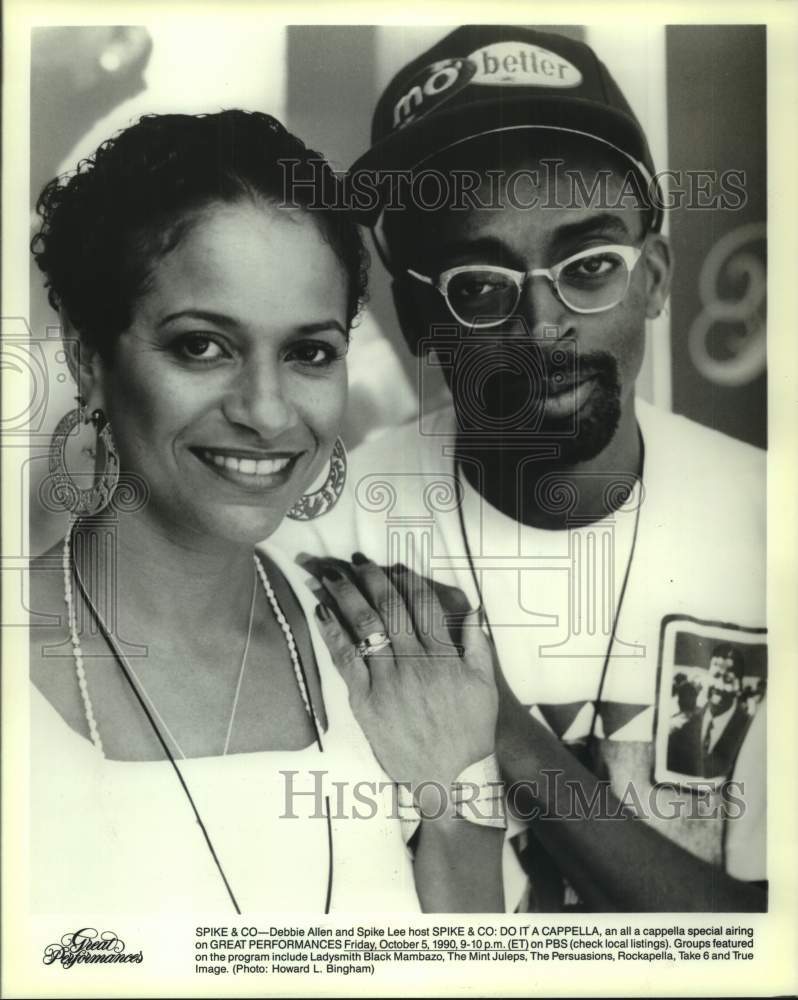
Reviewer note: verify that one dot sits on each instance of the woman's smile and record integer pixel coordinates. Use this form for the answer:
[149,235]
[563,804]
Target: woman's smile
[227,391]
[253,471]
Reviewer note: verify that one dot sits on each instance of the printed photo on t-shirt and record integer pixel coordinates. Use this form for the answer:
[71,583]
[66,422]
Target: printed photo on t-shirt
[712,679]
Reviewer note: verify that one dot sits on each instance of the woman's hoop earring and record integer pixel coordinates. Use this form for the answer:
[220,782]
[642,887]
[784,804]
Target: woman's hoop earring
[83,502]
[322,500]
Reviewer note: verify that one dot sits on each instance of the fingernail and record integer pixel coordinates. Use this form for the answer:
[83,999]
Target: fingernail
[323,613]
[359,559]
[331,574]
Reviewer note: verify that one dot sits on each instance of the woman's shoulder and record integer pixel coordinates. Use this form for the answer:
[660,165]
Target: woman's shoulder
[52,665]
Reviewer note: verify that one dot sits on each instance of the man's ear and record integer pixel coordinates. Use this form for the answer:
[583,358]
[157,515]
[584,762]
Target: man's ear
[411,320]
[85,365]
[659,270]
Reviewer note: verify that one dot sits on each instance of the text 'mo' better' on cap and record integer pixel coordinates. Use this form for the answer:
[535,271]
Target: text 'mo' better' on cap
[481,79]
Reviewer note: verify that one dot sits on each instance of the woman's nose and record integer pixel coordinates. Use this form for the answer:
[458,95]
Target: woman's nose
[258,400]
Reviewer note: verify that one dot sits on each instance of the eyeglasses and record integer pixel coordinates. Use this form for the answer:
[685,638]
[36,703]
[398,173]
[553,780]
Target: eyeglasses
[591,281]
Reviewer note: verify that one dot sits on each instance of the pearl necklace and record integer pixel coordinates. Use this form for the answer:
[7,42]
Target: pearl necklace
[77,650]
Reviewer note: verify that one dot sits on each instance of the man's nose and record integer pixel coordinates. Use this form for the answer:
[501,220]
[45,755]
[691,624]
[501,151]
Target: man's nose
[543,313]
[259,399]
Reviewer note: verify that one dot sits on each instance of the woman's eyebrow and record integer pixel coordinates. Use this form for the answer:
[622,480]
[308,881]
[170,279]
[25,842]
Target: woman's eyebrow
[207,314]
[222,319]
[322,326]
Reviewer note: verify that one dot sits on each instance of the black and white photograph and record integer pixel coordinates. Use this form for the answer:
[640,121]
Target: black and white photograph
[392,467]
[713,681]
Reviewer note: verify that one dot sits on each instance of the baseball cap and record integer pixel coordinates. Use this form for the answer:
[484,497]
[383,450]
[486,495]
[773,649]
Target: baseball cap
[483,79]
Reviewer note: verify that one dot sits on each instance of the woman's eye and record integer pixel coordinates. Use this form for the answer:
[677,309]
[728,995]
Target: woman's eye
[315,355]
[200,347]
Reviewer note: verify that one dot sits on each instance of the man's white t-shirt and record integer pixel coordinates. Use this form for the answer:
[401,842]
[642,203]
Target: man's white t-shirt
[586,655]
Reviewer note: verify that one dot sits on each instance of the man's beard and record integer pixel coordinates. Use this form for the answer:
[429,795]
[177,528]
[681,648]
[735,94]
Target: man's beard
[595,423]
[505,412]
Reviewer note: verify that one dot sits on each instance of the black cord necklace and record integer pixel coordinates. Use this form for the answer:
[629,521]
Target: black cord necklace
[120,659]
[621,595]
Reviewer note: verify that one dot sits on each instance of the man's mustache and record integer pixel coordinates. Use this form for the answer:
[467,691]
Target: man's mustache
[555,369]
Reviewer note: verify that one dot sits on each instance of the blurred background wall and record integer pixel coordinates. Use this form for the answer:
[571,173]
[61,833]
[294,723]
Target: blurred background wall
[698,91]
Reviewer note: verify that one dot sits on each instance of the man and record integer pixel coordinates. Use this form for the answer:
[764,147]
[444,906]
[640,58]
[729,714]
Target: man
[578,518]
[708,743]
[686,694]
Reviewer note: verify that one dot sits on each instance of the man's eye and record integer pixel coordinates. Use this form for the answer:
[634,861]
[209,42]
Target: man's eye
[472,289]
[595,266]
[477,285]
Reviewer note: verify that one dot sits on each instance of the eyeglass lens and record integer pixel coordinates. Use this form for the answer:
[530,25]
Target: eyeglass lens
[595,282]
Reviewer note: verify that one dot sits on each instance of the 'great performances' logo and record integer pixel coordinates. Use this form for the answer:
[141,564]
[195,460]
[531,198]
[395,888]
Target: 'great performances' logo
[88,946]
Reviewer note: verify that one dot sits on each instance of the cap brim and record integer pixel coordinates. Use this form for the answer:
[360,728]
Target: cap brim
[417,143]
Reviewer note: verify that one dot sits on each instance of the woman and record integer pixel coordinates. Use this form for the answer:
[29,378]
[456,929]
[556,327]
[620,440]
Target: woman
[193,745]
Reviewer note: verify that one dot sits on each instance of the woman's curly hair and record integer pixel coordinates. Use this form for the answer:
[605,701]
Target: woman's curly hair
[106,223]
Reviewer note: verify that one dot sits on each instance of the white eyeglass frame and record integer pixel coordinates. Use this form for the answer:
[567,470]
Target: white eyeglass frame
[629,254]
